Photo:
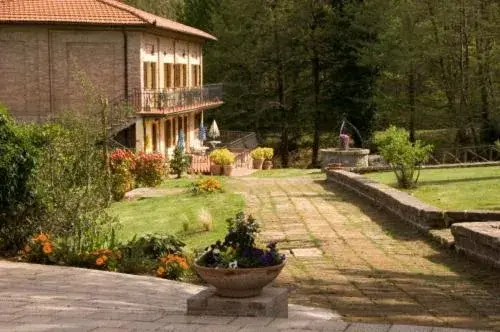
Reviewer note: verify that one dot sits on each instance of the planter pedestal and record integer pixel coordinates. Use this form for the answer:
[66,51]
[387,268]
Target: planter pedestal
[272,302]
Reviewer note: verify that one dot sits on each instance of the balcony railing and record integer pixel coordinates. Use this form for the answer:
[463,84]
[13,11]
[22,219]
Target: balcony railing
[176,100]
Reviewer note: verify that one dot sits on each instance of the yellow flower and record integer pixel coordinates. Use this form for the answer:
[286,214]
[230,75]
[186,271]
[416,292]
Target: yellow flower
[104,258]
[99,261]
[47,248]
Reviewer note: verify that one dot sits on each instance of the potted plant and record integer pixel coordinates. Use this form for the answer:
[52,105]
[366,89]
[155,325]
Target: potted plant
[226,161]
[257,155]
[237,267]
[268,156]
[215,164]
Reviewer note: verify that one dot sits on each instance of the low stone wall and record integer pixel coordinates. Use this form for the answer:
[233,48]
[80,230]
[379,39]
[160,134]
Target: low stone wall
[403,205]
[480,241]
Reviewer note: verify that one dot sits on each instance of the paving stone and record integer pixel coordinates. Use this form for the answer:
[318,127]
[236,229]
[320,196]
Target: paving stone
[362,327]
[410,328]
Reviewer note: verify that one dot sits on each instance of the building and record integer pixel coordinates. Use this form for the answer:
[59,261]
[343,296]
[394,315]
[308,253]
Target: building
[52,49]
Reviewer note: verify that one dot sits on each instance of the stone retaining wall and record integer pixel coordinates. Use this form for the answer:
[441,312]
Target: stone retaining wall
[403,205]
[480,241]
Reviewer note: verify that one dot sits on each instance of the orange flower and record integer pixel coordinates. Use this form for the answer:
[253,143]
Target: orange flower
[41,237]
[160,271]
[99,261]
[104,258]
[27,249]
[47,248]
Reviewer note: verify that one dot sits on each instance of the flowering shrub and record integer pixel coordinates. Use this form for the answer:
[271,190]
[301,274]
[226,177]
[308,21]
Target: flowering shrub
[104,259]
[40,249]
[149,169]
[258,154]
[222,157]
[268,153]
[207,185]
[171,267]
[238,249]
[122,164]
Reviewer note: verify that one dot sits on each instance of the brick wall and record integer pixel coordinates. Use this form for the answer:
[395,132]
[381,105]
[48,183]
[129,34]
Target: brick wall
[43,68]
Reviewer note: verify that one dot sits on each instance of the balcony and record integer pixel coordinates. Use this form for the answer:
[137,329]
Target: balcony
[177,100]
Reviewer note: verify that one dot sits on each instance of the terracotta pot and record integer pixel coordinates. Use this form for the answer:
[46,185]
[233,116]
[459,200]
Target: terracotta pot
[257,163]
[228,170]
[268,164]
[215,169]
[239,282]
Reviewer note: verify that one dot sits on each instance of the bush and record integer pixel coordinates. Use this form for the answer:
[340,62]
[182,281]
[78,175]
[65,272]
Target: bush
[149,169]
[258,154]
[403,157]
[207,185]
[19,204]
[154,245]
[222,157]
[268,153]
[180,162]
[122,163]
[39,249]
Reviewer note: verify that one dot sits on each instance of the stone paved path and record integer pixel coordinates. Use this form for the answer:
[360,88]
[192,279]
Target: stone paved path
[53,298]
[370,267]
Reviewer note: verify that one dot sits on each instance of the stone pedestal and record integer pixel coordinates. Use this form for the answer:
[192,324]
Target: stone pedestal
[272,302]
[353,157]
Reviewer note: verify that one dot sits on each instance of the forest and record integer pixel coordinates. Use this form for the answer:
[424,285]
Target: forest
[293,70]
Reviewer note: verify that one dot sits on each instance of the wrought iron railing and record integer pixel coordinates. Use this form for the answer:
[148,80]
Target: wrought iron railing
[467,154]
[177,99]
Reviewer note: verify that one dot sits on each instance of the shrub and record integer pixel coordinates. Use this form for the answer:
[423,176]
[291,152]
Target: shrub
[149,169]
[206,185]
[122,163]
[180,162]
[403,157]
[222,157]
[154,245]
[258,154]
[268,153]
[18,201]
[104,259]
[497,144]
[171,267]
[205,219]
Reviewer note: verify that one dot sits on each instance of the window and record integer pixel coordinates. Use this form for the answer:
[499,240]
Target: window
[167,74]
[177,75]
[184,75]
[196,75]
[155,137]
[168,132]
[149,75]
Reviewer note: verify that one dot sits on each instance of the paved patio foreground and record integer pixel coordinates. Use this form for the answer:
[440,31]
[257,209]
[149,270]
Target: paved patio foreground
[365,265]
[53,298]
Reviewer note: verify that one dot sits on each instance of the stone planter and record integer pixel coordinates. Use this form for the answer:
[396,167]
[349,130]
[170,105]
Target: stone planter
[352,157]
[257,163]
[268,164]
[227,170]
[239,283]
[215,169]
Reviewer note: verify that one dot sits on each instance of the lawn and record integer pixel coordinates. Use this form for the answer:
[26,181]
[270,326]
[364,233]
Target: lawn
[475,188]
[169,214]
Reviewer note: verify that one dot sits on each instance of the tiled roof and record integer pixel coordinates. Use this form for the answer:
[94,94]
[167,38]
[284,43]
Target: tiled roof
[100,12]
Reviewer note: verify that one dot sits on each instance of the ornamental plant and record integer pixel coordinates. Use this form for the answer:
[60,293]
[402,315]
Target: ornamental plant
[149,169]
[122,164]
[222,157]
[40,249]
[171,267]
[207,185]
[180,162]
[258,154]
[403,156]
[268,153]
[238,250]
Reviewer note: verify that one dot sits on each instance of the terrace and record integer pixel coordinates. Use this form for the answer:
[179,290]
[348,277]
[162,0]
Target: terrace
[176,100]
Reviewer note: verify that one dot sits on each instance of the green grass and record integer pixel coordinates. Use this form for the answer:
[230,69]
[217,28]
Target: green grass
[167,214]
[475,188]
[287,173]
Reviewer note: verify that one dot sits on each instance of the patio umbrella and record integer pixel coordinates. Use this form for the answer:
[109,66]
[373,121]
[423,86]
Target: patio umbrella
[180,140]
[214,132]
